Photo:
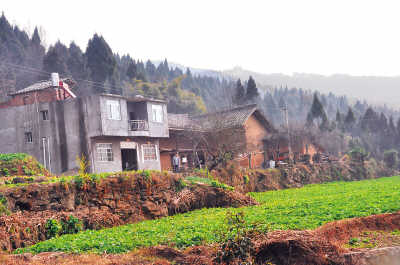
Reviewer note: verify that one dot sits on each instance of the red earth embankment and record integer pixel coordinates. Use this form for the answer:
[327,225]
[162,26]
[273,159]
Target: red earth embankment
[322,246]
[102,203]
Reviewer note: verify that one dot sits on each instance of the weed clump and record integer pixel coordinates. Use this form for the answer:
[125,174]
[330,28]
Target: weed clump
[236,241]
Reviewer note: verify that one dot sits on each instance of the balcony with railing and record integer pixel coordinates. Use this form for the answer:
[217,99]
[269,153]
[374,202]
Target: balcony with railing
[138,125]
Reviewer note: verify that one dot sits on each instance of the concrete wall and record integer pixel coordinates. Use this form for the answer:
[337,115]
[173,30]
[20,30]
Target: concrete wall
[116,164]
[68,132]
[158,129]
[65,132]
[114,127]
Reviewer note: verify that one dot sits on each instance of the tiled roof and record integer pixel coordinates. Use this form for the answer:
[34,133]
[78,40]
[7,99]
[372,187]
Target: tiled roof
[179,121]
[229,118]
[42,85]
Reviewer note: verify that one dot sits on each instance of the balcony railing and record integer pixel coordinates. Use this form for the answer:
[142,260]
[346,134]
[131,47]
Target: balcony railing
[138,125]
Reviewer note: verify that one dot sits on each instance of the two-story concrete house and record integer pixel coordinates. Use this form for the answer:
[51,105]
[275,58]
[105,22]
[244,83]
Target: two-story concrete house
[115,133]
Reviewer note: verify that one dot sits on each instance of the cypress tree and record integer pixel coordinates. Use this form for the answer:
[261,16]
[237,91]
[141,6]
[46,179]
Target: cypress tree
[131,72]
[101,62]
[251,91]
[349,120]
[239,97]
[317,112]
[55,61]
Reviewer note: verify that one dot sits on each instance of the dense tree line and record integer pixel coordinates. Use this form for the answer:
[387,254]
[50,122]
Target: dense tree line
[24,60]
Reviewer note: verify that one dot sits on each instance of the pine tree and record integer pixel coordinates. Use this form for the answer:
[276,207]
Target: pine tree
[317,112]
[239,97]
[131,72]
[101,62]
[251,91]
[350,120]
[55,61]
[369,120]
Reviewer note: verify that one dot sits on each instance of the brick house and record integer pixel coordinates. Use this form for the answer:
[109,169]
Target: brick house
[41,92]
[242,129]
[277,146]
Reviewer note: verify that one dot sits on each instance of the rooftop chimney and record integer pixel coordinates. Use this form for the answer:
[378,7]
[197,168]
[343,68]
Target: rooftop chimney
[55,80]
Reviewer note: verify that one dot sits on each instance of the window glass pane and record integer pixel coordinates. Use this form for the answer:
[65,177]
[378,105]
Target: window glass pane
[149,152]
[104,152]
[28,137]
[157,112]
[114,110]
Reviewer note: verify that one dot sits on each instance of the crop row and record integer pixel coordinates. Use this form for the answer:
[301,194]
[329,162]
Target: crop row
[300,208]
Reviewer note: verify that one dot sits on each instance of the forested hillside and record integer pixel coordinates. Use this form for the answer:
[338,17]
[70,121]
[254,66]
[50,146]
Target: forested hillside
[24,60]
[98,69]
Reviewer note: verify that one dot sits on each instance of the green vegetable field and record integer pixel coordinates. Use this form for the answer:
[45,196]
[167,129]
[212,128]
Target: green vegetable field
[302,208]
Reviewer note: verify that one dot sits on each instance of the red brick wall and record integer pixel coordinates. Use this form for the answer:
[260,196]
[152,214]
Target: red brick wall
[46,95]
[166,163]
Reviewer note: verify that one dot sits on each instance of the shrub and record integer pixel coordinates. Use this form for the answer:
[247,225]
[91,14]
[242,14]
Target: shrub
[391,158]
[215,183]
[180,185]
[71,225]
[83,165]
[147,175]
[3,206]
[236,242]
[53,228]
[11,157]
[358,154]
[6,172]
[246,179]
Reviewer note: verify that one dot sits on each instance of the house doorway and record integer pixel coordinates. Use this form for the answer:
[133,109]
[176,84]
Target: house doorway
[129,159]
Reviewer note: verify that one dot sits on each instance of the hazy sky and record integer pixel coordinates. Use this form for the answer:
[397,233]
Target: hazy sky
[325,37]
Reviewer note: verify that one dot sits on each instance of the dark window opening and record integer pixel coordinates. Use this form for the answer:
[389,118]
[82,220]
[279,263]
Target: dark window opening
[45,115]
[132,116]
[28,137]
[129,159]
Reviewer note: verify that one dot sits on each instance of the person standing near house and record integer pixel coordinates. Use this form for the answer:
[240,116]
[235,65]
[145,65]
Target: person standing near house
[184,162]
[176,162]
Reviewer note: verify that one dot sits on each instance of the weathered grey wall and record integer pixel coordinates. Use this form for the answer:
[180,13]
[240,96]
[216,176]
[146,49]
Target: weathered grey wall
[71,126]
[116,164]
[158,129]
[114,127]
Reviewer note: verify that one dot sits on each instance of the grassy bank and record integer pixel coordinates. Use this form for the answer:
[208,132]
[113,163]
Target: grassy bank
[302,208]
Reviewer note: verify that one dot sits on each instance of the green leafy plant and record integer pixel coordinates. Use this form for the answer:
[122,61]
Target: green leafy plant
[6,172]
[246,179]
[3,206]
[53,228]
[71,225]
[180,185]
[83,165]
[215,183]
[297,209]
[391,158]
[236,241]
[147,175]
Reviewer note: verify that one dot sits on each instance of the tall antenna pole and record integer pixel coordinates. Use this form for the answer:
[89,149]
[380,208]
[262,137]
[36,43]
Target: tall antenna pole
[286,119]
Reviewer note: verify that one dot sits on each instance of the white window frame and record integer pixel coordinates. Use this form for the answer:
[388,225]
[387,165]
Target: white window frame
[157,113]
[113,109]
[155,152]
[104,152]
[28,137]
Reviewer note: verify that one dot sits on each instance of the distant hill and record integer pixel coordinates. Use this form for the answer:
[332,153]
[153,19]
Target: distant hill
[375,89]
